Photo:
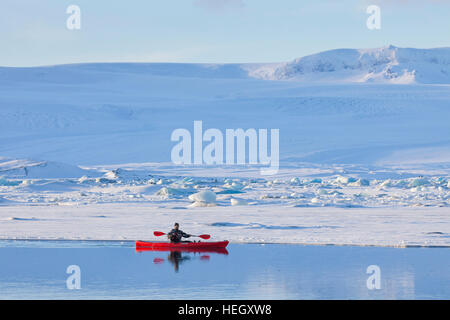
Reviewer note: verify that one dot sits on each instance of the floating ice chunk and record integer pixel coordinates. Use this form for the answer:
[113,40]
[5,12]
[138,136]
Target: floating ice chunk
[170,192]
[419,182]
[326,192]
[295,180]
[417,189]
[165,192]
[401,184]
[112,175]
[360,183]
[313,181]
[187,181]
[26,183]
[345,180]
[238,202]
[105,180]
[386,183]
[363,182]
[441,181]
[234,185]
[83,179]
[205,196]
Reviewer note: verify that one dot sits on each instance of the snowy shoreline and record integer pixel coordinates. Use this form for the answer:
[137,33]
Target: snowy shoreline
[394,227]
[235,242]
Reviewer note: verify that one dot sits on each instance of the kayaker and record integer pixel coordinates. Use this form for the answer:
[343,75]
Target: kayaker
[176,235]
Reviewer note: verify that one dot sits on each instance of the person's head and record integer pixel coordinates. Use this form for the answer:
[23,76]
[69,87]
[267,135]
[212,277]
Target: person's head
[176,226]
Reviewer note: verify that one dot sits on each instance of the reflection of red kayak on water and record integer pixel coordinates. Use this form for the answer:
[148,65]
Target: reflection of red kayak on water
[217,247]
[193,250]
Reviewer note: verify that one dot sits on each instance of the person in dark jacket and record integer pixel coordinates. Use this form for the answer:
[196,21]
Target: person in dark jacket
[176,235]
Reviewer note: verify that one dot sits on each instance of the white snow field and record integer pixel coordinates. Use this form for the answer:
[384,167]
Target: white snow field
[364,149]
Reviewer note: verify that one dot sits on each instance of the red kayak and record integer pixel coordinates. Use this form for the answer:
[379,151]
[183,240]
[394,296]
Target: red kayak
[191,250]
[181,245]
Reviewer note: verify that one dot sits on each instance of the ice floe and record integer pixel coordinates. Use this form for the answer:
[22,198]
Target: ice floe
[238,202]
[203,198]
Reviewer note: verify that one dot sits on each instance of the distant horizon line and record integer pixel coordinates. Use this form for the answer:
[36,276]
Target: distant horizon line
[212,63]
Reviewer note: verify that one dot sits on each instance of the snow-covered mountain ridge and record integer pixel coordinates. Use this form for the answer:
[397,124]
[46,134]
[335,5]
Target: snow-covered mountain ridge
[110,113]
[388,64]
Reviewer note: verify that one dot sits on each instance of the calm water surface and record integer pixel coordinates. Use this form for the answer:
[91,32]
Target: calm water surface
[115,270]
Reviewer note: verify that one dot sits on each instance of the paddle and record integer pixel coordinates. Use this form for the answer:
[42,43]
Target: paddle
[203,236]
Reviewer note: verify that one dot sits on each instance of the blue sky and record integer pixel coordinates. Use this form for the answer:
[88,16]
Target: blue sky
[225,31]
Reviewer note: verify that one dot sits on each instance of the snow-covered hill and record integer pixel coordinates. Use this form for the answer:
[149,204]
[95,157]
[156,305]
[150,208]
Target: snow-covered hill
[388,64]
[30,169]
[383,65]
[113,113]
